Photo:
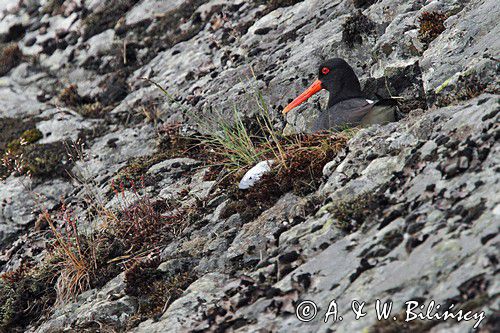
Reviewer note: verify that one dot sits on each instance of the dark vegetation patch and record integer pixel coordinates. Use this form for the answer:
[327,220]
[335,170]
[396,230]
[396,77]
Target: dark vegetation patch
[85,106]
[363,3]
[136,229]
[25,294]
[106,18]
[154,289]
[12,129]
[53,7]
[70,97]
[146,223]
[42,161]
[466,87]
[399,82]
[431,26]
[10,57]
[355,27]
[351,215]
[275,4]
[15,33]
[24,155]
[49,160]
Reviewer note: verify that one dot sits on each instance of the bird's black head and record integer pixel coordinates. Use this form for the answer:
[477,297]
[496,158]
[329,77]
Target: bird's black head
[336,76]
[339,79]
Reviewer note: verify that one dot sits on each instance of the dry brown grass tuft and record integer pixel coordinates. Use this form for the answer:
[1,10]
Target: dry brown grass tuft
[143,224]
[10,57]
[69,96]
[76,264]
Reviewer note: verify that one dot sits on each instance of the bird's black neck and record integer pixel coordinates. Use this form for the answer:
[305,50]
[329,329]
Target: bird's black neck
[343,85]
[343,91]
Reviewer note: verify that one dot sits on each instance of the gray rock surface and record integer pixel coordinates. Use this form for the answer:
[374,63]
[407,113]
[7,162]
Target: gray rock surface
[108,306]
[408,210]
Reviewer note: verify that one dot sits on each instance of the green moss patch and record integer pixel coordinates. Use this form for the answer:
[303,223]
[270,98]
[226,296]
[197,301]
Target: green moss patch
[43,161]
[12,129]
[14,138]
[26,138]
[46,160]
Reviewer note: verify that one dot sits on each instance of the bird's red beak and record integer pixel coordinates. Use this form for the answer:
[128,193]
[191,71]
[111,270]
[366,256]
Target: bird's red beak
[313,89]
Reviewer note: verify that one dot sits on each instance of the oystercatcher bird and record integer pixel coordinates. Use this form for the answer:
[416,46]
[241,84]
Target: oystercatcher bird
[347,106]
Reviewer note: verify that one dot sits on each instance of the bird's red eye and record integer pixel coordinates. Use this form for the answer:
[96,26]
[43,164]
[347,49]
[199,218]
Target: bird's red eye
[325,70]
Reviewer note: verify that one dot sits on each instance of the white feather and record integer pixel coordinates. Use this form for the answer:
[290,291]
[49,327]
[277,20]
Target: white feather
[255,174]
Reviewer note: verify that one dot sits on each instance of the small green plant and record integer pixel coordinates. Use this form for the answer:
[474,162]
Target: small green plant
[232,143]
[28,137]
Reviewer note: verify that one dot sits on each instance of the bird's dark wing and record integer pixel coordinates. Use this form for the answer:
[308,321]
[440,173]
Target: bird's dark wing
[381,112]
[356,112]
[348,113]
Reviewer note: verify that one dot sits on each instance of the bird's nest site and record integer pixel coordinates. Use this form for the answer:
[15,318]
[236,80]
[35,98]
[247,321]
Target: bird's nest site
[298,169]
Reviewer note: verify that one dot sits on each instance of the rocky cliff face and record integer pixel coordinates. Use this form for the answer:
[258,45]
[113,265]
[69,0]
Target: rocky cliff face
[405,211]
